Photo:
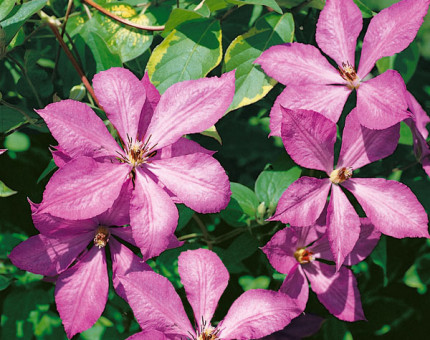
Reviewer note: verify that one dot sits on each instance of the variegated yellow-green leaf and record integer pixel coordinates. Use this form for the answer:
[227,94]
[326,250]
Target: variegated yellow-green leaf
[190,51]
[251,82]
[212,132]
[127,42]
[5,191]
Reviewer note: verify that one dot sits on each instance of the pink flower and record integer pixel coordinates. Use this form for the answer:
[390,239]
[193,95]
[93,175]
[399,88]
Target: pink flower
[296,251]
[312,83]
[2,150]
[159,310]
[391,207]
[61,250]
[164,166]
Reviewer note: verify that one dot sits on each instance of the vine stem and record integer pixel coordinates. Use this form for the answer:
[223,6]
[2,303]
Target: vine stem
[206,236]
[122,20]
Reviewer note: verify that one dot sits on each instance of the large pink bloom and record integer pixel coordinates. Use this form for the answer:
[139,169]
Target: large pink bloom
[164,166]
[313,84]
[159,310]
[295,252]
[392,208]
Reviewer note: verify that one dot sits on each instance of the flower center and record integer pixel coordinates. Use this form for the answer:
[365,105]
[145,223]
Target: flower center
[347,72]
[138,152]
[303,255]
[207,332]
[101,237]
[341,175]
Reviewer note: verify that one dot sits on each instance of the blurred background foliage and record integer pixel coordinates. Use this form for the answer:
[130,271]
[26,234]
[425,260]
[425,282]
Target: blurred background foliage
[199,39]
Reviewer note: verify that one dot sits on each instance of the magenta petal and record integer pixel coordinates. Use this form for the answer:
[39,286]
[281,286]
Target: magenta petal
[303,201]
[205,278]
[82,291]
[124,233]
[257,313]
[321,249]
[78,130]
[338,27]
[391,206]
[155,303]
[59,156]
[148,335]
[153,216]
[198,180]
[298,64]
[151,102]
[381,101]
[391,31]
[336,290]
[343,225]
[182,147]
[296,287]
[49,256]
[83,188]
[2,150]
[420,116]
[361,146]
[309,138]
[367,241]
[189,107]
[122,96]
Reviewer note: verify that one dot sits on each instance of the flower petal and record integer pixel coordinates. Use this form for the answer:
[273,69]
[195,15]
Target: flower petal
[336,290]
[78,130]
[338,27]
[303,201]
[391,206]
[198,180]
[151,102]
[122,96]
[328,100]
[421,117]
[391,31]
[343,225]
[82,291]
[189,107]
[298,64]
[182,147]
[296,287]
[205,278]
[381,101]
[155,303]
[361,146]
[146,335]
[153,216]
[83,188]
[59,155]
[257,313]
[124,233]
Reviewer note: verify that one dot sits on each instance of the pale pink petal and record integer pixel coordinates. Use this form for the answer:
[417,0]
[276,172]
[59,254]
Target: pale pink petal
[421,117]
[303,201]
[338,27]
[124,261]
[122,96]
[198,180]
[83,188]
[325,99]
[381,101]
[309,138]
[391,206]
[151,102]
[81,292]
[153,216]
[298,64]
[78,130]
[2,151]
[205,278]
[257,313]
[336,290]
[391,31]
[148,335]
[296,287]
[361,146]
[343,225]
[367,241]
[155,303]
[189,107]
[49,256]
[182,147]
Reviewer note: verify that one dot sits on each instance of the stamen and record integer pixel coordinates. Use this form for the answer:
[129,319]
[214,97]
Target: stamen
[341,175]
[139,152]
[347,72]
[101,237]
[303,255]
[207,332]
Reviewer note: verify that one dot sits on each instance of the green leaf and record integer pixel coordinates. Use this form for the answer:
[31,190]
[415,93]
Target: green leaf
[177,17]
[5,8]
[212,132]
[5,191]
[335,329]
[366,12]
[423,268]
[379,257]
[17,142]
[385,63]
[190,51]
[248,282]
[4,282]
[241,248]
[185,215]
[413,280]
[12,24]
[252,83]
[406,137]
[269,3]
[215,5]
[319,4]
[49,168]
[406,61]
[10,119]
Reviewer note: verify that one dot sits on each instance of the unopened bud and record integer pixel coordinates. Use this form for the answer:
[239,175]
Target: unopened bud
[261,209]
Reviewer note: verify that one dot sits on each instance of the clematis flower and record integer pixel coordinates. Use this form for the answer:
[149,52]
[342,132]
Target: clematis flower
[392,208]
[297,251]
[165,167]
[2,150]
[158,308]
[313,84]
[418,124]
[82,281]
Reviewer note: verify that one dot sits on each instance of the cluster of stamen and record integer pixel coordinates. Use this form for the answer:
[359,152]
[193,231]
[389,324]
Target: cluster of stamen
[347,72]
[138,152]
[207,332]
[341,175]
[303,255]
[101,237]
